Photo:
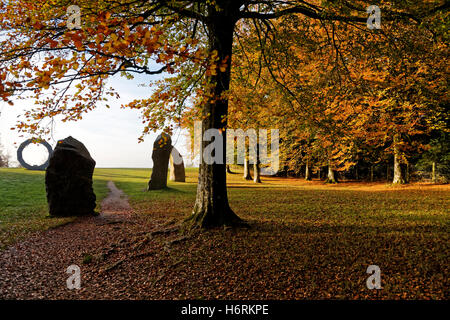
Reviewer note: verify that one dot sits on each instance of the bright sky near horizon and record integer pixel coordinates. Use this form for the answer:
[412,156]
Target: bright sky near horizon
[110,135]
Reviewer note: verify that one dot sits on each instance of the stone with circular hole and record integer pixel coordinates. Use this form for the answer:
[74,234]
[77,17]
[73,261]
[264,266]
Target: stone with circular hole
[24,164]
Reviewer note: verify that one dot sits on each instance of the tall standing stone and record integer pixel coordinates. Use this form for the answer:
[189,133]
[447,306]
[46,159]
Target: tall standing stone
[68,180]
[160,156]
[176,165]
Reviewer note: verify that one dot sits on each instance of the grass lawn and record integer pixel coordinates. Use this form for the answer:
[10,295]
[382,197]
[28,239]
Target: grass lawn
[23,204]
[307,239]
[310,240]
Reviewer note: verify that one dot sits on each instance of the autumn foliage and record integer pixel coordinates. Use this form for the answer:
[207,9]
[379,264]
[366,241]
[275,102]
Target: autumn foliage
[342,94]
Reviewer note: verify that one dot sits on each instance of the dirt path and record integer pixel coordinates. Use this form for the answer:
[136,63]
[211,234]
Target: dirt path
[115,206]
[35,268]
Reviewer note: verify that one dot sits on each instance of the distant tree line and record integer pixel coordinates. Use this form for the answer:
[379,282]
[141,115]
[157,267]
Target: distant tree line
[5,158]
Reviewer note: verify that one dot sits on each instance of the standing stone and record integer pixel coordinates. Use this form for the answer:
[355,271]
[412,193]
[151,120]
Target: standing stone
[160,156]
[176,164]
[68,180]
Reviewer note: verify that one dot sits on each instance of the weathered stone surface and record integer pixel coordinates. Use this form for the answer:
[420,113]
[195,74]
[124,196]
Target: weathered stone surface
[27,166]
[160,156]
[176,166]
[68,180]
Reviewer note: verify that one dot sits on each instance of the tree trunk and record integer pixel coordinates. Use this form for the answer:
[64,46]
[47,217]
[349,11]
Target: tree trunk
[211,205]
[331,176]
[307,171]
[407,175]
[247,175]
[399,177]
[356,172]
[387,171]
[256,168]
[256,173]
[433,172]
[371,173]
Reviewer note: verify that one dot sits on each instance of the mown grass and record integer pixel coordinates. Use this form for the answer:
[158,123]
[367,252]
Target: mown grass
[23,204]
[353,205]
[308,240]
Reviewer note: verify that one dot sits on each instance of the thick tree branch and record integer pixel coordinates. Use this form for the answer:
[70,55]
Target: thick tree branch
[317,13]
[183,11]
[302,10]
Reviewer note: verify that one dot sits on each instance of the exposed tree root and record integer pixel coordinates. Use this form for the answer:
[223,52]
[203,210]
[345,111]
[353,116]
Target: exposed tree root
[165,231]
[177,240]
[143,255]
[202,219]
[113,266]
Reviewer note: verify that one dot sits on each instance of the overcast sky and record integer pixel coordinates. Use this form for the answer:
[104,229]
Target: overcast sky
[110,135]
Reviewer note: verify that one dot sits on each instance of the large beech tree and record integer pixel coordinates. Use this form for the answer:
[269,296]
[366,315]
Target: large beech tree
[191,41]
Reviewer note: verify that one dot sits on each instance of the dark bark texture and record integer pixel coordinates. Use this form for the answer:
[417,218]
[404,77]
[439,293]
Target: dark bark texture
[211,205]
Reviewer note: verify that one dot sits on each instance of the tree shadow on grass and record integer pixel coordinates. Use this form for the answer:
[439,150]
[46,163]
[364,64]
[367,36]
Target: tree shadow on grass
[117,175]
[168,190]
[250,187]
[271,227]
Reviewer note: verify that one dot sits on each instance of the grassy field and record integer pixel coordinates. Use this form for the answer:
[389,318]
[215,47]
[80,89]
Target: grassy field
[23,204]
[312,240]
[307,239]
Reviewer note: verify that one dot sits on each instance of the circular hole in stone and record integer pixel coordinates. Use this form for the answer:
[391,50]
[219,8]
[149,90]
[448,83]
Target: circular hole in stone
[35,154]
